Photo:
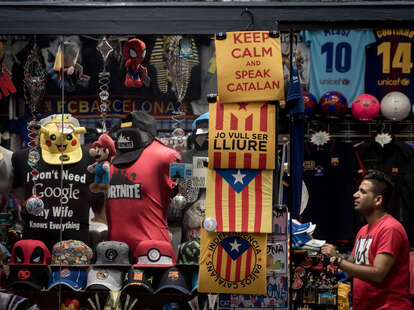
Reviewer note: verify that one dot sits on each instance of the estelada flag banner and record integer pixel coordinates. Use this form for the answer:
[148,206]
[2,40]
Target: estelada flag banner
[232,263]
[249,67]
[240,200]
[242,135]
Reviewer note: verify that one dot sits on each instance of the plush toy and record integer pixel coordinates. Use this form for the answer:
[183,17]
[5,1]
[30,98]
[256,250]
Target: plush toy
[103,150]
[134,54]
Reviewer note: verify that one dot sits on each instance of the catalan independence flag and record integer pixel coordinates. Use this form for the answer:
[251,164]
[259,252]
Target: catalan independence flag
[242,135]
[233,263]
[240,200]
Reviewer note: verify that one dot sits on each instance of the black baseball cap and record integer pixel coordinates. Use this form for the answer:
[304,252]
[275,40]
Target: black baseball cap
[138,280]
[173,279]
[24,276]
[129,144]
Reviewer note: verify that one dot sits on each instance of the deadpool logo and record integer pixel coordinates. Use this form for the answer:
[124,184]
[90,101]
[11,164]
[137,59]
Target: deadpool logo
[23,274]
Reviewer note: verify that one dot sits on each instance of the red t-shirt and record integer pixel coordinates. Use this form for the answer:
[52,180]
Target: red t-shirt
[385,236]
[139,196]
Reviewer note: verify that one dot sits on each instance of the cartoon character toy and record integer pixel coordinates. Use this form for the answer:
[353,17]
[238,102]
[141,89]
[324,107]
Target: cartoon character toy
[60,139]
[103,151]
[134,54]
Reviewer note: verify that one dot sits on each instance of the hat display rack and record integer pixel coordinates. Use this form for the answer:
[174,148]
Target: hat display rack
[34,87]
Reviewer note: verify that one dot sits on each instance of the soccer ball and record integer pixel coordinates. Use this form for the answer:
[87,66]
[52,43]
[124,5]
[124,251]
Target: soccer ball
[333,104]
[395,106]
[310,103]
[365,107]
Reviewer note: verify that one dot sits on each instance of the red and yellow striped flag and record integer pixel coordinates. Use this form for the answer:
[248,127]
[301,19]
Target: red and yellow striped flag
[232,263]
[242,135]
[240,200]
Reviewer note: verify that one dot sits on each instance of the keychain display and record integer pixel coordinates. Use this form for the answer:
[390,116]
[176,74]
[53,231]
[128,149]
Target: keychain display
[34,79]
[34,87]
[104,78]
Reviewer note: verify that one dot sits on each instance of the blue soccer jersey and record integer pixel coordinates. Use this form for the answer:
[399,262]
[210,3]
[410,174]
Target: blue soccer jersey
[337,61]
[390,63]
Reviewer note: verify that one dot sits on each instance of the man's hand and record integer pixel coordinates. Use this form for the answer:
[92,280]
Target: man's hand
[329,250]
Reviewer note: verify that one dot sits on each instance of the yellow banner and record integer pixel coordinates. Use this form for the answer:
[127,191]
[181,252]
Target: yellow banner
[240,200]
[242,135]
[249,67]
[232,263]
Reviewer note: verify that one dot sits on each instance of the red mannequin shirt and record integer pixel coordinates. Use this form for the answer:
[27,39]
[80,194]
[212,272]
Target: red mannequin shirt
[139,196]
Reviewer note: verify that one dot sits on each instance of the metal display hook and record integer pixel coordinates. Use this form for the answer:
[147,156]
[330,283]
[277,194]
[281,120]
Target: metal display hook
[251,15]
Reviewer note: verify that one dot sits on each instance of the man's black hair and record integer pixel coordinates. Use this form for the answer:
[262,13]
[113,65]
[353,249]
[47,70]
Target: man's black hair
[382,184]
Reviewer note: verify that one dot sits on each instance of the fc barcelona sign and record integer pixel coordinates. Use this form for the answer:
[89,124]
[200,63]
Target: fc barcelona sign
[242,135]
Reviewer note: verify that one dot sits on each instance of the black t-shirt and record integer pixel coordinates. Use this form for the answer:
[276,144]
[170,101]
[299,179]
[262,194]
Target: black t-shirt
[69,201]
[329,176]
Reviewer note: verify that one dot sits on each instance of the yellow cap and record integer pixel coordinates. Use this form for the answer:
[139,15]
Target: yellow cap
[60,140]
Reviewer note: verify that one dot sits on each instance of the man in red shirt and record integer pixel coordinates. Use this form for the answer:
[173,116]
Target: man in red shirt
[379,262]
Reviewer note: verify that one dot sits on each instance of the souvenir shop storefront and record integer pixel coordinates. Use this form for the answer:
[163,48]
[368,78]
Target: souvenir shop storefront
[154,155]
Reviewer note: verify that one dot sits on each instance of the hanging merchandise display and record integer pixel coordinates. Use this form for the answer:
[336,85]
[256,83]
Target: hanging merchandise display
[180,60]
[395,106]
[249,66]
[337,61]
[240,200]
[389,63]
[104,77]
[232,263]
[242,135]
[134,52]
[365,107]
[323,165]
[174,58]
[34,79]
[34,87]
[179,67]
